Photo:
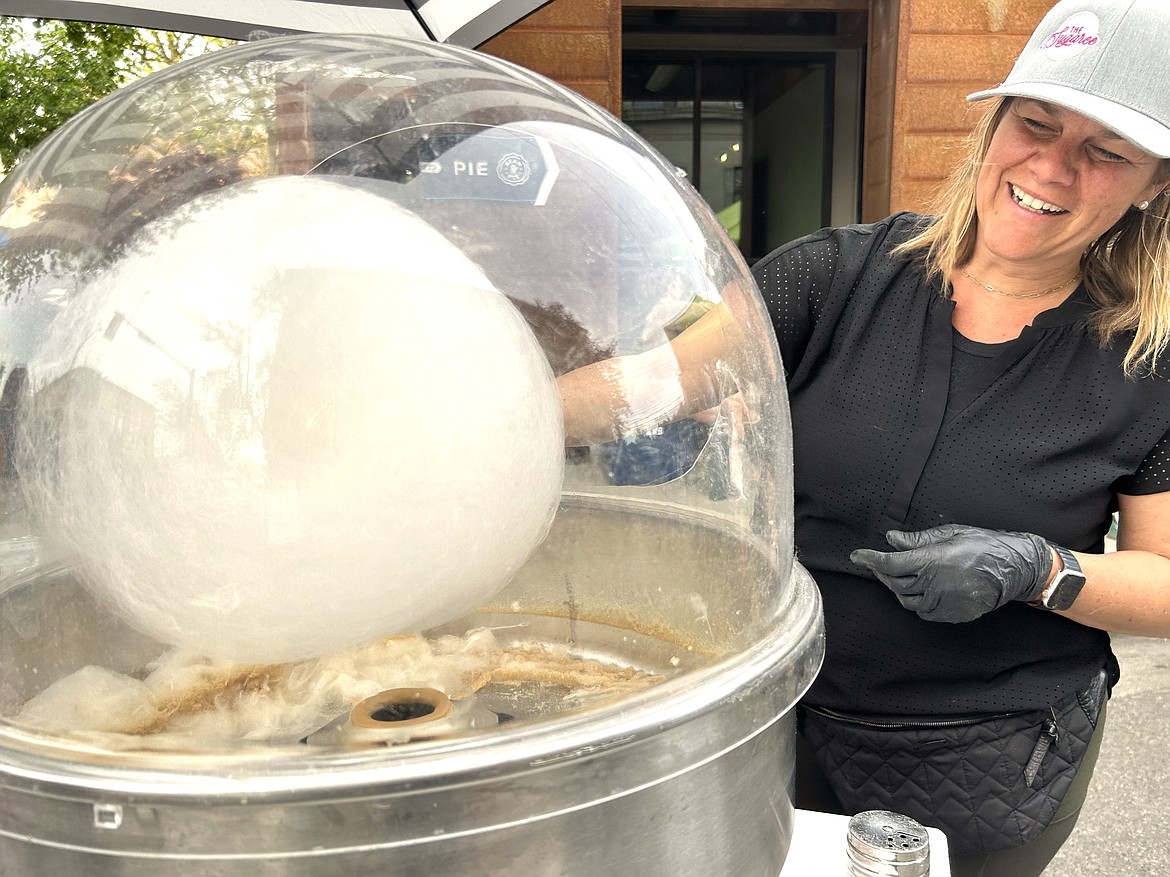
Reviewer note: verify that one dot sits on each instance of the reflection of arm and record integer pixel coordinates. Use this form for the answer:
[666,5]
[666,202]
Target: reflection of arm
[626,394]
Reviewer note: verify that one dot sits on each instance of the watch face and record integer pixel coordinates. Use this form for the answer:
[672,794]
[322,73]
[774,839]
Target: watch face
[1064,590]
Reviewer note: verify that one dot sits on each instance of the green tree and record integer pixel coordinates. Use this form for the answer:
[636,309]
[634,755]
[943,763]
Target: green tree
[50,70]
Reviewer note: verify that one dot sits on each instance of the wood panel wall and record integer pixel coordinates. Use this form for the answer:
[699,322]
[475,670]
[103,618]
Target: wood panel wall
[576,42]
[946,50]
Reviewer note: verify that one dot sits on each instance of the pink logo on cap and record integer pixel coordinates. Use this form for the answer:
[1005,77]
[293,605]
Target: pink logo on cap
[1076,34]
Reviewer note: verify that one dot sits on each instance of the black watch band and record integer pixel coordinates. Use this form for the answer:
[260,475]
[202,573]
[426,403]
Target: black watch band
[1067,584]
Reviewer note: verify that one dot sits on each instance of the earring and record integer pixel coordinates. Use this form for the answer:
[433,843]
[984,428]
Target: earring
[1143,205]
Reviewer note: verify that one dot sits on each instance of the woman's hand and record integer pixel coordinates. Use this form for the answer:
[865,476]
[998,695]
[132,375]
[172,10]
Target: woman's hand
[956,573]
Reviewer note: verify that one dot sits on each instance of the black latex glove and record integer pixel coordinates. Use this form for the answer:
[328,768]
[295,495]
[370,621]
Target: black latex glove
[956,573]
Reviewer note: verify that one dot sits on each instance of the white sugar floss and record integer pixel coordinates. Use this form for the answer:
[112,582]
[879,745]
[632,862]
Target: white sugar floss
[294,419]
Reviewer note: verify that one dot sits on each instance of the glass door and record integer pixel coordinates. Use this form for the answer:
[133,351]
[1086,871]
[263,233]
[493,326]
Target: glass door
[753,134]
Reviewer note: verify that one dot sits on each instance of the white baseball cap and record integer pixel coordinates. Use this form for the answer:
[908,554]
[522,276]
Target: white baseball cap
[1105,59]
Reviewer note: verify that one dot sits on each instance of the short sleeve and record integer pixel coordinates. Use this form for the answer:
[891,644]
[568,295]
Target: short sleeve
[793,281]
[1153,475]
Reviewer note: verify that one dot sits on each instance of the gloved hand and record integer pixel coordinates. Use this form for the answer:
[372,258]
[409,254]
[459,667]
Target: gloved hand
[956,573]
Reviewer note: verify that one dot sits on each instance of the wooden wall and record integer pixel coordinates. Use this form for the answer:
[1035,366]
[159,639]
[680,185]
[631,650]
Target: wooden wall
[880,85]
[946,50]
[576,42]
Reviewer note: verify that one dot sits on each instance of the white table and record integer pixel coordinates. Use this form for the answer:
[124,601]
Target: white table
[819,847]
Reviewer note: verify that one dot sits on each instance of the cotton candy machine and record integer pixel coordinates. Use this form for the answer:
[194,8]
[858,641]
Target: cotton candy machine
[396,477]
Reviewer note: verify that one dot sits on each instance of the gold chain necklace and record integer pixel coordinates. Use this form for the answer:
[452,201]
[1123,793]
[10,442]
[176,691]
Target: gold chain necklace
[1040,294]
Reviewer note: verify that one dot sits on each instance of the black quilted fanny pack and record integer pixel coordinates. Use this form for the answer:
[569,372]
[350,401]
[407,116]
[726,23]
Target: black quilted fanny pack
[989,782]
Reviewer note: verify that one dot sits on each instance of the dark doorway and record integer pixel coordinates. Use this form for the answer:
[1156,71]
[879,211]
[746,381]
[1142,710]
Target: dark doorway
[756,131]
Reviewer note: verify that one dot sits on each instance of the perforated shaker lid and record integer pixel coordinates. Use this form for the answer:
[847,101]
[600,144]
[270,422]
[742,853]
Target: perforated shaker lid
[885,843]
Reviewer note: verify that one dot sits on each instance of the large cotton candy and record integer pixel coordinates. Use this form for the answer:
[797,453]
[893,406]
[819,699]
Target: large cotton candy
[295,420]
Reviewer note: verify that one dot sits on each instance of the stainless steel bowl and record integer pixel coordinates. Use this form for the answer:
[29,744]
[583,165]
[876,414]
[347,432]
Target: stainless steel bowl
[692,776]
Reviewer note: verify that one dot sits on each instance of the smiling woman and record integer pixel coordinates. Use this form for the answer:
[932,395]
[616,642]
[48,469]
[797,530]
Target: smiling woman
[1053,182]
[1049,197]
[974,394]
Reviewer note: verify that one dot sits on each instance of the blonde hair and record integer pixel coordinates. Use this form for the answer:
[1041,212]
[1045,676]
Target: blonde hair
[1126,271]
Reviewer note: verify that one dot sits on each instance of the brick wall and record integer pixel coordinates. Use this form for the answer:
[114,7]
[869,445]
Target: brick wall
[576,42]
[946,50]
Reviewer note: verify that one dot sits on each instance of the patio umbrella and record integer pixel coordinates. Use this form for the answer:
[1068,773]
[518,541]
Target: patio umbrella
[460,22]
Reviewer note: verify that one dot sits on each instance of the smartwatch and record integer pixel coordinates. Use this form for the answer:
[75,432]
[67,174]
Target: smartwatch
[1063,591]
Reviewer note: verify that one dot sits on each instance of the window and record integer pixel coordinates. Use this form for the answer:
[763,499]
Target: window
[769,138]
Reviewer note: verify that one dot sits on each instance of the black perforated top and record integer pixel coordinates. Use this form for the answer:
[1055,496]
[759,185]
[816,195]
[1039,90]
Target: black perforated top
[1037,435]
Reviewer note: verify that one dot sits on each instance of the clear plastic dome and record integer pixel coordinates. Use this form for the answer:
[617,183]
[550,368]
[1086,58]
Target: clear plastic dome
[383,363]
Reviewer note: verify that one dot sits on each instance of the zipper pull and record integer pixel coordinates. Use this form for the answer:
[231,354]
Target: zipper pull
[1049,734]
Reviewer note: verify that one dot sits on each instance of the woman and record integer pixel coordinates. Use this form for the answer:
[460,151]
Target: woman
[973,396]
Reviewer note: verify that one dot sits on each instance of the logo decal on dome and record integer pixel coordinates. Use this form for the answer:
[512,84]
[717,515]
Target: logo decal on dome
[1078,33]
[513,169]
[492,165]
